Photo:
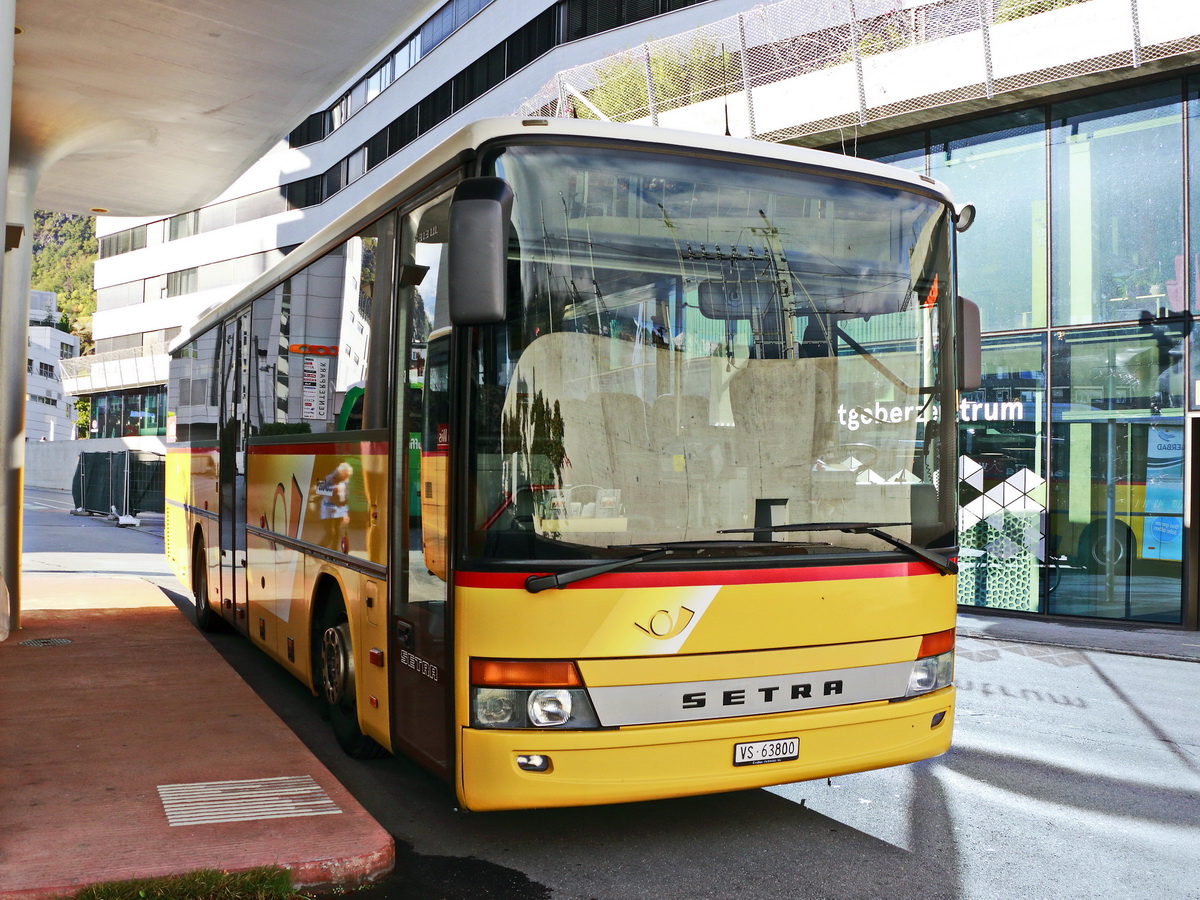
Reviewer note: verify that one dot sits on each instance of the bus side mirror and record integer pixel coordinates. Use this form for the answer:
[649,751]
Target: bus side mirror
[480,216]
[970,347]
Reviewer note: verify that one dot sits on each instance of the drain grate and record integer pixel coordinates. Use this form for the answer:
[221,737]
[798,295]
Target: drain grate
[45,642]
[210,802]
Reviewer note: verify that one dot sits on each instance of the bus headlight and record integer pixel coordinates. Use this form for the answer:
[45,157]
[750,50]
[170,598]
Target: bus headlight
[495,708]
[549,707]
[529,694]
[930,674]
[934,667]
[524,708]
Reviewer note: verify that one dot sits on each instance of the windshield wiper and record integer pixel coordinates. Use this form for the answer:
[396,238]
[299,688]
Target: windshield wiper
[941,563]
[537,583]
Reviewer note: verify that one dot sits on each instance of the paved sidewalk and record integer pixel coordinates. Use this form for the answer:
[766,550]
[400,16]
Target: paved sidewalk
[129,748]
[1117,637]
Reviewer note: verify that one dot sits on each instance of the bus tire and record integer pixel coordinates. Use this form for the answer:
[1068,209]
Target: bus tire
[335,681]
[206,619]
[1092,547]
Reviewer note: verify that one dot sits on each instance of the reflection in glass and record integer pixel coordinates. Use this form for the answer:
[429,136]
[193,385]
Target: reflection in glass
[1118,228]
[140,411]
[905,151]
[1116,498]
[695,348]
[999,165]
[1002,491]
[311,340]
[1190,280]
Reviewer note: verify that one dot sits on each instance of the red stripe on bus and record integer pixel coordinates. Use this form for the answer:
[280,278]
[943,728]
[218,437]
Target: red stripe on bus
[857,572]
[332,448]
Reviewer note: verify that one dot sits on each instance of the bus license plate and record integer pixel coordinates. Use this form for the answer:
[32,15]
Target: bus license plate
[758,752]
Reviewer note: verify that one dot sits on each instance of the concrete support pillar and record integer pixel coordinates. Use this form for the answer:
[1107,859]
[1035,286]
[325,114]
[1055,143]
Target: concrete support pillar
[14,325]
[14,350]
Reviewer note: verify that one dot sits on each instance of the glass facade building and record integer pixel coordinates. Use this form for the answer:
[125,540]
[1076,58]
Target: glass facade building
[130,413]
[1084,260]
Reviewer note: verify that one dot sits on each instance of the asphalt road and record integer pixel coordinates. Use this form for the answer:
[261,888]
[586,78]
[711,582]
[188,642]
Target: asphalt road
[1074,774]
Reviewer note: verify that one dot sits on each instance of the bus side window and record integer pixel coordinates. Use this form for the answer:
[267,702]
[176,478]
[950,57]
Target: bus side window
[424,248]
[435,453]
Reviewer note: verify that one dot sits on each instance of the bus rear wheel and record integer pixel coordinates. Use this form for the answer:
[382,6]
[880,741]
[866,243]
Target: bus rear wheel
[336,683]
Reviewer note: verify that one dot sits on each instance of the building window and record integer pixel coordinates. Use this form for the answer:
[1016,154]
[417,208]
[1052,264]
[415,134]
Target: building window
[999,164]
[45,370]
[182,282]
[183,225]
[1189,270]
[304,193]
[124,241]
[1117,227]
[311,130]
[141,411]
[378,80]
[1002,471]
[1117,462]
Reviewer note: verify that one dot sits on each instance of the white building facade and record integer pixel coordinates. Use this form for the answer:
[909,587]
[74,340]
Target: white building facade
[49,411]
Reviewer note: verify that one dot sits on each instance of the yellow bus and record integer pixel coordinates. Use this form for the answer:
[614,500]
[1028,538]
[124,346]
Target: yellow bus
[686,472]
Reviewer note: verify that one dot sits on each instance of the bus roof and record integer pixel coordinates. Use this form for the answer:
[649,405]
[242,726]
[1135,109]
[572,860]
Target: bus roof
[487,130]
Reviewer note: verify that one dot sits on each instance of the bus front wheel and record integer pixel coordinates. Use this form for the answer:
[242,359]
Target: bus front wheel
[336,683]
[206,619]
[1098,553]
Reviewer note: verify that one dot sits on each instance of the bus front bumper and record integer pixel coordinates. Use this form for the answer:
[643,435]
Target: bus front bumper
[660,761]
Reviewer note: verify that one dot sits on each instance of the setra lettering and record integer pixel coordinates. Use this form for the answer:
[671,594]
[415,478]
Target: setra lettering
[418,665]
[770,694]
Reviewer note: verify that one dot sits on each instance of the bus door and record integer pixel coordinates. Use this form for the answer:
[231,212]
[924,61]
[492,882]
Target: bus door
[421,685]
[235,360]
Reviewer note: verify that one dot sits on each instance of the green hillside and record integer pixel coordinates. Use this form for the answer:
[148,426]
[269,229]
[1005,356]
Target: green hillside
[64,249]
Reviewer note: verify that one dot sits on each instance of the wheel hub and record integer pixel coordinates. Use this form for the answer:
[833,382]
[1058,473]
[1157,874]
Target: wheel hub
[337,664]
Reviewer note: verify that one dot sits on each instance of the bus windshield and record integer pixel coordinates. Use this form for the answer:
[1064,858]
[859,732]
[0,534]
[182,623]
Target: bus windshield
[704,351]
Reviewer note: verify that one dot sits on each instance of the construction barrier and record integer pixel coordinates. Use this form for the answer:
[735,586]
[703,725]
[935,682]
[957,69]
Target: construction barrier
[119,483]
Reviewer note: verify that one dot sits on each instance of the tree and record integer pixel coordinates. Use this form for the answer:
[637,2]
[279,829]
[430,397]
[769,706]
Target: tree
[83,416]
[64,251]
[681,75]
[1008,10]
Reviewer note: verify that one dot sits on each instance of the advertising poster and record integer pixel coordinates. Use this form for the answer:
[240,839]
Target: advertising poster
[1162,533]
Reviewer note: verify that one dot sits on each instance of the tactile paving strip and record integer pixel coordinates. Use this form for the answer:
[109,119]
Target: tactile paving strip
[206,803]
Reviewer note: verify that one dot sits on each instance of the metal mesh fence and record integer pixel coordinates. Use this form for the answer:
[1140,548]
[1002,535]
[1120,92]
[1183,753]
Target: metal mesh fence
[146,481]
[802,67]
[126,482]
[114,369]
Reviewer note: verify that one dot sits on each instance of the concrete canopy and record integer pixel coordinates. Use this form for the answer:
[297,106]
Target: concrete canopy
[145,107]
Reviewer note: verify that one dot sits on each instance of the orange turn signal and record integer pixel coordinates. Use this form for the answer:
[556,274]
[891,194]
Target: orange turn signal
[524,673]
[936,644]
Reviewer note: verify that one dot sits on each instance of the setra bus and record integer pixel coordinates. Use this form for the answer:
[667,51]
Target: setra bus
[587,463]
